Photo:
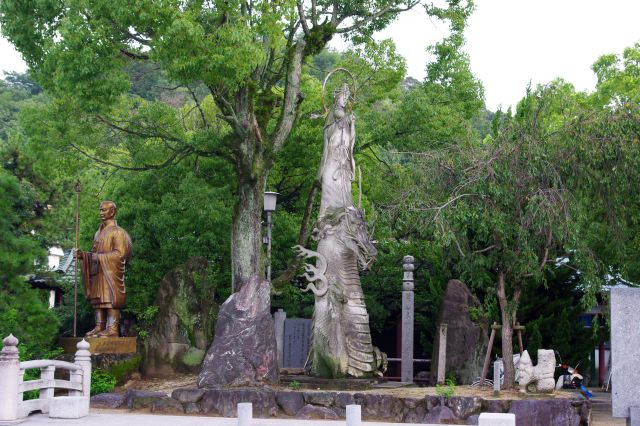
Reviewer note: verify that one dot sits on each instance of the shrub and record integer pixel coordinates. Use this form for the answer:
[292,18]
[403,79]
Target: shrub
[448,390]
[102,381]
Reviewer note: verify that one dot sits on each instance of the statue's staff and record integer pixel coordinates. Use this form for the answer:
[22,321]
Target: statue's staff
[75,272]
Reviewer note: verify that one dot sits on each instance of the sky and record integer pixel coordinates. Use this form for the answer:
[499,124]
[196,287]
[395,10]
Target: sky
[509,42]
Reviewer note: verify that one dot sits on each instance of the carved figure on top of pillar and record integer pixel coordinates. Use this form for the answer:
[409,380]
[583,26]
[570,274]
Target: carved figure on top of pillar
[341,339]
[103,271]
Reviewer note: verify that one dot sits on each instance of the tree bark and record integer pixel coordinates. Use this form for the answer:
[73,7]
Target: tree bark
[507,333]
[246,233]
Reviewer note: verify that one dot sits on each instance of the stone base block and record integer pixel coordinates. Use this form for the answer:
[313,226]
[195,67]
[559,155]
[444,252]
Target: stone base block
[497,419]
[101,345]
[68,407]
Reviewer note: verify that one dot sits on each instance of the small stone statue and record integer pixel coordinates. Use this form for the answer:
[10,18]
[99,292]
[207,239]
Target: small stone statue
[341,339]
[538,378]
[103,272]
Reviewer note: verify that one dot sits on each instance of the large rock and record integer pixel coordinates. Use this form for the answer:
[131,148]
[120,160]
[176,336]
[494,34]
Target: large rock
[183,326]
[187,395]
[311,412]
[463,407]
[244,346]
[108,400]
[326,399]
[466,340]
[290,402]
[377,406]
[225,403]
[550,412]
[138,399]
[440,414]
[167,405]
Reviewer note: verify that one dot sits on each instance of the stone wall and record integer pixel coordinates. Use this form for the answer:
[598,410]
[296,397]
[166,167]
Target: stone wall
[330,405]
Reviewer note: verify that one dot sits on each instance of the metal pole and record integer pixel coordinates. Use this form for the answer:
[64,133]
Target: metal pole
[269,225]
[75,271]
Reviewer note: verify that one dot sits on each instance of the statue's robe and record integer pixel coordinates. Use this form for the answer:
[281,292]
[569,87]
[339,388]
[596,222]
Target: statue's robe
[103,268]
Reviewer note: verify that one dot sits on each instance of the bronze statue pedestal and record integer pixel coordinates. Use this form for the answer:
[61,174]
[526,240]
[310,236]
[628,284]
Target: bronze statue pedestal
[102,345]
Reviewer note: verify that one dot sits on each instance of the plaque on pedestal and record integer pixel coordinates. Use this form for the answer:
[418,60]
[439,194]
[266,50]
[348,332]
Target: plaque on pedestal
[101,345]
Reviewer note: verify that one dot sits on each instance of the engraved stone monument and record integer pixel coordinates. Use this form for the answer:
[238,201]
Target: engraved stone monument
[297,336]
[625,353]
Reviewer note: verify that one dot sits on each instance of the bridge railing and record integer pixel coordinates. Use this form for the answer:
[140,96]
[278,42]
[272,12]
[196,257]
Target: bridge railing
[13,385]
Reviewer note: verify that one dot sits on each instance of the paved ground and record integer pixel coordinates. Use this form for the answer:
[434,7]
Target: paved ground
[126,419]
[601,411]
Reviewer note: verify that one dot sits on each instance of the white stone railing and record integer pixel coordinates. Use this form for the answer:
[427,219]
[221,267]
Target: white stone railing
[13,386]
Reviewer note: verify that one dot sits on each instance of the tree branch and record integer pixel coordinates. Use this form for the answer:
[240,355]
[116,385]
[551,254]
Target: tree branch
[368,18]
[292,267]
[175,158]
[491,247]
[195,99]
[453,200]
[129,54]
[138,133]
[292,91]
[303,20]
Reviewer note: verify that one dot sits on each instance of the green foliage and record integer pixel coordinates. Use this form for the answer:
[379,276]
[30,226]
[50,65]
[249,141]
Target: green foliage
[120,371]
[447,390]
[102,381]
[294,385]
[618,78]
[562,332]
[535,341]
[23,310]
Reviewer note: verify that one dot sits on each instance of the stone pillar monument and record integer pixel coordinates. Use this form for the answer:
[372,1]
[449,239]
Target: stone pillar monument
[442,352]
[407,321]
[279,317]
[625,353]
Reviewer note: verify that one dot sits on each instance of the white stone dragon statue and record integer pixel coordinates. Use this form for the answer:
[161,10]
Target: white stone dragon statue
[341,340]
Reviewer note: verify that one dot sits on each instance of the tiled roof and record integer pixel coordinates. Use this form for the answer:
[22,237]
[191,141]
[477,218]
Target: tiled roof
[67,263]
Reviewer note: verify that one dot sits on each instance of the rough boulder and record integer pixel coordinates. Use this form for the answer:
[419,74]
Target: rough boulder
[183,326]
[244,346]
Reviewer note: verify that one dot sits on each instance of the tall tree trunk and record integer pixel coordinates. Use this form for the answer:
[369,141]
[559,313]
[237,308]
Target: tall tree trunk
[507,333]
[246,233]
[251,171]
[243,351]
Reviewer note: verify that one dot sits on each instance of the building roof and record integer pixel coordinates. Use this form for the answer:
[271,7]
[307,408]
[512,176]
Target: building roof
[67,263]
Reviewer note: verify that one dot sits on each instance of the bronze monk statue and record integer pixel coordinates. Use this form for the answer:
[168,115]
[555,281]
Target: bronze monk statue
[103,272]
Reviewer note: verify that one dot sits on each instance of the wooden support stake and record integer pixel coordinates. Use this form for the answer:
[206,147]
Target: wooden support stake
[487,358]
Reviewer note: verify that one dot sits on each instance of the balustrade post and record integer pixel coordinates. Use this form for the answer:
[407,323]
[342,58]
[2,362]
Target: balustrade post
[47,374]
[83,360]
[9,380]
